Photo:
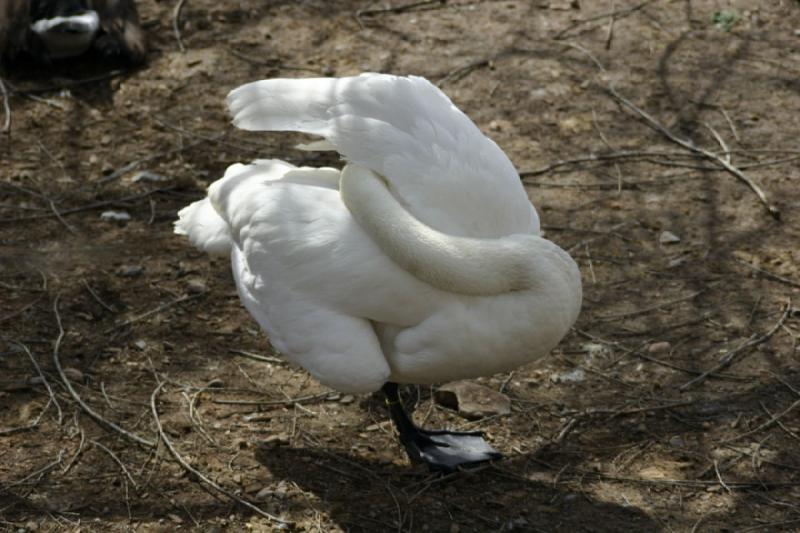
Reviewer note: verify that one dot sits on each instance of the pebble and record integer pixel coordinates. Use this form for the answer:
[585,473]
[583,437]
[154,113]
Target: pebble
[658,347]
[576,375]
[279,439]
[263,494]
[473,401]
[130,271]
[196,286]
[677,442]
[347,398]
[115,216]
[146,175]
[73,374]
[667,237]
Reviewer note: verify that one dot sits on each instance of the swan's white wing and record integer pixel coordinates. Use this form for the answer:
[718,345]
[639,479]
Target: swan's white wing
[446,172]
[307,272]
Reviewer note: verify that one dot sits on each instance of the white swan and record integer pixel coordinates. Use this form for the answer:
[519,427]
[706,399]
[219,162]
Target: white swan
[419,262]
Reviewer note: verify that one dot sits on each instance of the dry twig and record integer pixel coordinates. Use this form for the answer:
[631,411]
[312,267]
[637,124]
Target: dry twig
[769,274]
[688,145]
[176,22]
[196,474]
[117,460]
[258,357]
[6,108]
[729,357]
[423,5]
[614,14]
[107,424]
[773,420]
[44,379]
[152,312]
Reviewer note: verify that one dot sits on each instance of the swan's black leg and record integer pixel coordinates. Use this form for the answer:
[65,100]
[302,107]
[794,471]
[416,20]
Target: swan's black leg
[444,451]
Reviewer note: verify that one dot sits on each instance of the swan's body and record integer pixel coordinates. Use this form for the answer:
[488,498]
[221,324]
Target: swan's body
[420,262]
[352,290]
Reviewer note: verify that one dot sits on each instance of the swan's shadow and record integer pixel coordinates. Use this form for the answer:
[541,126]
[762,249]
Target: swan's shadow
[363,495]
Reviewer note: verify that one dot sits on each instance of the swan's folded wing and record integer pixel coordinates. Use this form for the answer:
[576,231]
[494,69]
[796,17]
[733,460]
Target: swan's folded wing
[436,160]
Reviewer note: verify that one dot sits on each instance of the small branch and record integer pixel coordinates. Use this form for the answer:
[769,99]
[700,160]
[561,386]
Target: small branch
[196,474]
[769,274]
[729,357]
[42,471]
[257,357]
[688,145]
[97,297]
[6,108]
[60,219]
[614,14]
[288,402]
[44,379]
[652,308]
[119,463]
[461,72]
[589,240]
[78,452]
[88,207]
[107,424]
[424,5]
[152,312]
[781,425]
[773,419]
[176,21]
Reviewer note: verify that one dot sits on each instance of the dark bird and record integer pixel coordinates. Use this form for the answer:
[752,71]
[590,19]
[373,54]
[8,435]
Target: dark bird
[48,30]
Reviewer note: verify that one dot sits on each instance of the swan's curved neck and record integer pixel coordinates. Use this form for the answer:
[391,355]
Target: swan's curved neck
[462,265]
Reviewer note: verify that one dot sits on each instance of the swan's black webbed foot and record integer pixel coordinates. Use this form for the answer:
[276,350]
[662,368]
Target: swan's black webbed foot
[448,451]
[442,451]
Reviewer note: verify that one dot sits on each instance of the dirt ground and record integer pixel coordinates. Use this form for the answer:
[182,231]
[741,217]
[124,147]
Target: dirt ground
[671,406]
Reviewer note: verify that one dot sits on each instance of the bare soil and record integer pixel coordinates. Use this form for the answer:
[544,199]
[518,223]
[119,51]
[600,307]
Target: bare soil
[608,433]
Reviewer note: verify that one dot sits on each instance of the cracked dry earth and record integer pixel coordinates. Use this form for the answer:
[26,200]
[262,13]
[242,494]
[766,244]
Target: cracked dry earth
[671,406]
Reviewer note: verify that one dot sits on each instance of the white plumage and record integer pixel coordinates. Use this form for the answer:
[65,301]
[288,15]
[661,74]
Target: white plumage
[421,262]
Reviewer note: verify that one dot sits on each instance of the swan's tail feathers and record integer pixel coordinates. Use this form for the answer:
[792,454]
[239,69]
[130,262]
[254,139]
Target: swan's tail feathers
[284,104]
[206,229]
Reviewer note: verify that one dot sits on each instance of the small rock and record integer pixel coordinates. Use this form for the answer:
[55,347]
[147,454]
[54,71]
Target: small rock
[678,261]
[576,375]
[30,525]
[115,216]
[146,175]
[281,439]
[141,345]
[105,140]
[658,347]
[677,442]
[472,400]
[73,374]
[667,237]
[196,286]
[175,518]
[237,478]
[263,494]
[347,398]
[130,271]
[282,491]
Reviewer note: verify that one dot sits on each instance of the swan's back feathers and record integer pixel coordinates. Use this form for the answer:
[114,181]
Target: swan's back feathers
[436,160]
